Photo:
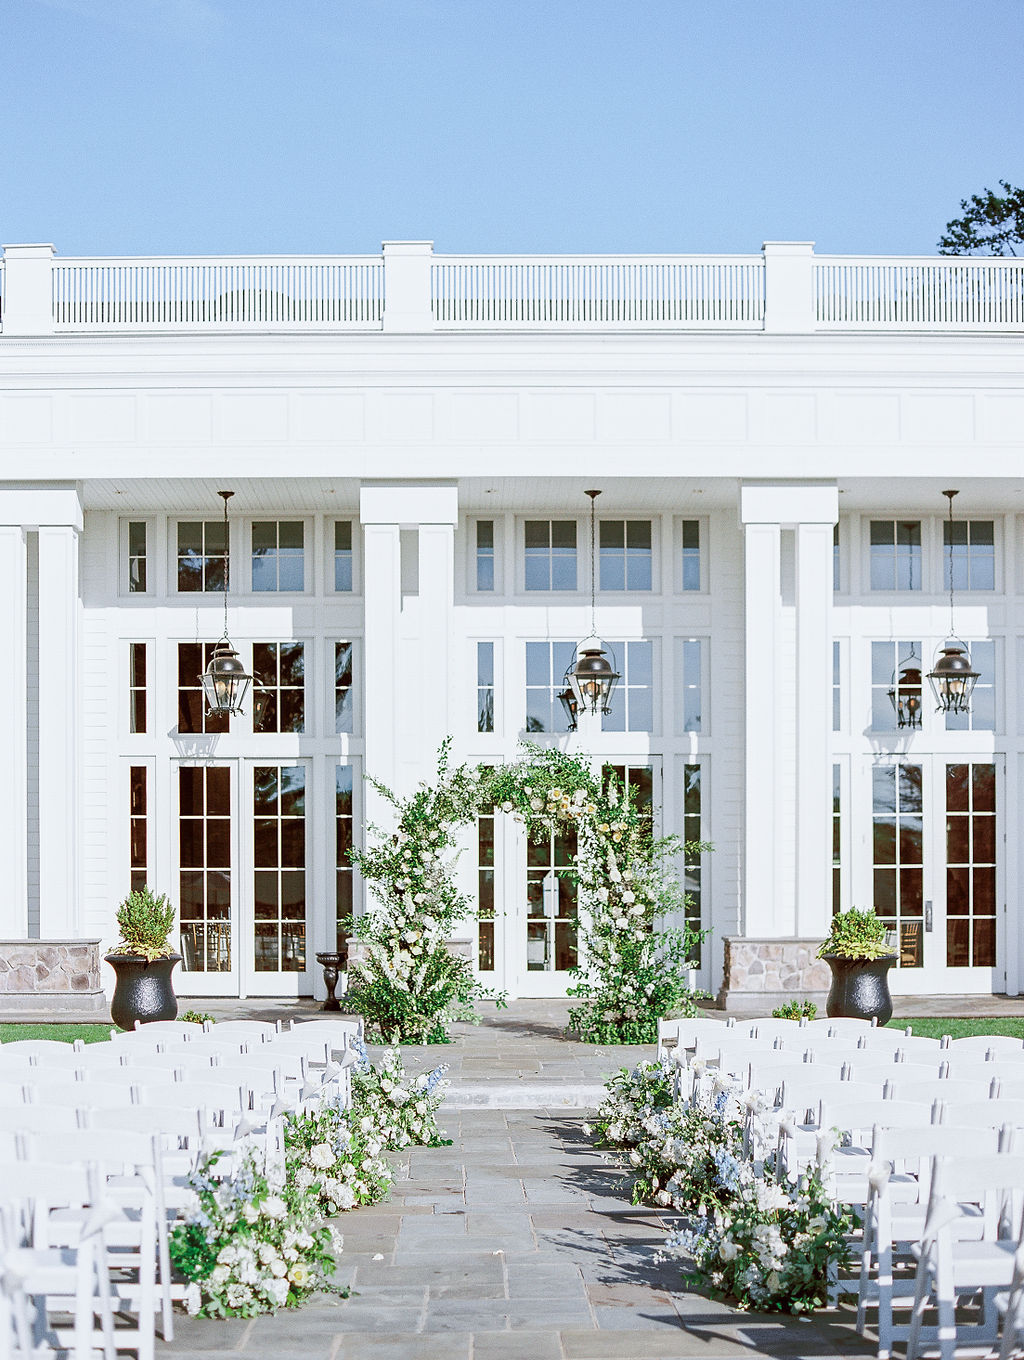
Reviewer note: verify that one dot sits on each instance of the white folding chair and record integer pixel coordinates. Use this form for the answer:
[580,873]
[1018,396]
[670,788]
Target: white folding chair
[54,1277]
[182,1030]
[983,1044]
[947,1266]
[899,1179]
[986,1114]
[913,1088]
[136,1226]
[229,1030]
[978,1068]
[87,1094]
[1012,1310]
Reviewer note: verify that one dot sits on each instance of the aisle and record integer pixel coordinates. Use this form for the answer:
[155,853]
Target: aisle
[510,1245]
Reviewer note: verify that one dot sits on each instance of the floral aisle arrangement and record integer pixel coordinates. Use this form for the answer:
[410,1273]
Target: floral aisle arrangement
[776,1246]
[410,987]
[401,1110]
[246,1248]
[765,1241]
[333,1156]
[631,973]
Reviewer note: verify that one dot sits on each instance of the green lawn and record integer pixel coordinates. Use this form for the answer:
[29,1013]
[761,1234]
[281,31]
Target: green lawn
[90,1034]
[935,1026]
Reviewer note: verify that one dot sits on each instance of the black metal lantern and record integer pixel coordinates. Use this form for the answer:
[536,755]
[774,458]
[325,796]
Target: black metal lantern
[952,676]
[905,693]
[593,679]
[226,682]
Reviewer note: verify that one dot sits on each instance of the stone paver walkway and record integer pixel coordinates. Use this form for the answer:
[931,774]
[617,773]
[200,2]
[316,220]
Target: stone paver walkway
[516,1243]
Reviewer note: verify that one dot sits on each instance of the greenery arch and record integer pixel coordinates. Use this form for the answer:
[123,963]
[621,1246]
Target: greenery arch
[411,987]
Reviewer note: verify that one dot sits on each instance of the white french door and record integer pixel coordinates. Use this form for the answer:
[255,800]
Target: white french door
[937,875]
[243,835]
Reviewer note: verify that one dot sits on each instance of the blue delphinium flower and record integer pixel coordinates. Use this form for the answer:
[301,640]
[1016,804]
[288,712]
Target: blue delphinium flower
[727,1169]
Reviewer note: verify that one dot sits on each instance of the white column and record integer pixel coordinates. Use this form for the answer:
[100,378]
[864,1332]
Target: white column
[382,602]
[58,731]
[761,717]
[13,749]
[813,728]
[28,290]
[407,293]
[437,592]
[789,302]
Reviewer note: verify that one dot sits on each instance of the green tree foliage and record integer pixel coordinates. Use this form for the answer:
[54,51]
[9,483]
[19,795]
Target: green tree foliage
[992,224]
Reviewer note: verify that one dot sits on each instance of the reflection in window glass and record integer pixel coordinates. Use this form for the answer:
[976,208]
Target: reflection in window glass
[485,686]
[279,703]
[277,555]
[887,660]
[836,840]
[895,554]
[546,664]
[973,552]
[971,865]
[344,705]
[898,856]
[343,554]
[138,803]
[137,556]
[137,687]
[551,904]
[625,554]
[485,828]
[193,658]
[982,714]
[692,835]
[688,683]
[633,700]
[202,555]
[550,547]
[279,872]
[343,823]
[485,554]
[204,857]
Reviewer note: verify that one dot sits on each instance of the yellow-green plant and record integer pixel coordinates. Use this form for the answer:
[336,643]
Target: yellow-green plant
[856,935]
[145,920]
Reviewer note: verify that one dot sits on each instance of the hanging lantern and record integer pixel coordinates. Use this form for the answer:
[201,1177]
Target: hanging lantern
[570,704]
[952,676]
[226,682]
[905,694]
[593,680]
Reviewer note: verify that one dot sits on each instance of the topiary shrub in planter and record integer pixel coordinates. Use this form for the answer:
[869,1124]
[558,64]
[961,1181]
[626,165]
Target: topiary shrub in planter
[143,960]
[860,955]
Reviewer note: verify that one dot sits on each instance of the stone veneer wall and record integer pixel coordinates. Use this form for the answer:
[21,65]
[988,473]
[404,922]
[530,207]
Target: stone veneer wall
[761,974]
[51,979]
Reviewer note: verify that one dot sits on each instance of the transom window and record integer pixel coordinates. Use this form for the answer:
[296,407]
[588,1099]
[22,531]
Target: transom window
[343,554]
[974,554]
[546,664]
[550,548]
[625,554]
[691,554]
[202,555]
[279,704]
[633,700]
[895,554]
[277,555]
[137,561]
[485,554]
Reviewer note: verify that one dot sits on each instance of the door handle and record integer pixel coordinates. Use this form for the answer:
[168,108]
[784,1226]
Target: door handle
[928,917]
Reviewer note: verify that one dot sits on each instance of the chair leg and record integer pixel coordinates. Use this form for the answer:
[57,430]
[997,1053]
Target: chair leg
[867,1250]
[921,1295]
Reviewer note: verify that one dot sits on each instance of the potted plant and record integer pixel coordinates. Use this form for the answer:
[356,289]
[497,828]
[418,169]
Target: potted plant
[143,960]
[859,953]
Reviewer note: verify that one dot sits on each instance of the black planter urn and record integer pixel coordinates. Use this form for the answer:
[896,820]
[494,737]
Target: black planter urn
[143,989]
[860,988]
[332,964]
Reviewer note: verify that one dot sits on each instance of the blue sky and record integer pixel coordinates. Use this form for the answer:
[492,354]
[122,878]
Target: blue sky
[325,126]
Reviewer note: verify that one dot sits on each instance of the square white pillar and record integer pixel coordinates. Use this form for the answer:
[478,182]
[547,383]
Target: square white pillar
[382,602]
[13,746]
[813,728]
[59,614]
[762,567]
[437,595]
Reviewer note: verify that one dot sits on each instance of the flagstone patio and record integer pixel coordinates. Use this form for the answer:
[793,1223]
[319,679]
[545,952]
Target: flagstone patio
[517,1242]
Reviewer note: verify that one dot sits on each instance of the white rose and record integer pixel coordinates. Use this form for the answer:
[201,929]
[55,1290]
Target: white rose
[193,1299]
[627,896]
[277,1290]
[220,1276]
[250,1213]
[274,1207]
[322,1156]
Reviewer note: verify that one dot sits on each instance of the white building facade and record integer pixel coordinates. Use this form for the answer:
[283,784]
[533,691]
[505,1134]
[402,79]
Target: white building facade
[408,439]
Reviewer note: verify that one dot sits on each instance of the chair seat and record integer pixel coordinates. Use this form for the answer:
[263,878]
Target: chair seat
[979,1265]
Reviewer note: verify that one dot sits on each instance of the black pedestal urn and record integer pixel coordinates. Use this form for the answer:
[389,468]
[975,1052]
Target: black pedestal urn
[143,989]
[860,988]
[332,964]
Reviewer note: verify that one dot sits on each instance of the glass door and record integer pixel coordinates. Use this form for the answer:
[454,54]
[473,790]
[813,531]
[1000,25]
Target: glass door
[275,940]
[549,924]
[206,879]
[935,870]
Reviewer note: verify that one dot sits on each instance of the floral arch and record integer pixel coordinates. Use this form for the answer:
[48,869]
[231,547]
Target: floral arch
[408,984]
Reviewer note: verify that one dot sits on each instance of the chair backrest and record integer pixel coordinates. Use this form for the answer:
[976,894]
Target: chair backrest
[804,1096]
[172,1122]
[977,1068]
[158,1031]
[314,1048]
[188,1056]
[353,1025]
[42,1048]
[24,1118]
[130,1150]
[231,1029]
[1012,1089]
[987,1043]
[995,1182]
[985,1114]
[84,1095]
[859,1117]
[913,1088]
[840,1025]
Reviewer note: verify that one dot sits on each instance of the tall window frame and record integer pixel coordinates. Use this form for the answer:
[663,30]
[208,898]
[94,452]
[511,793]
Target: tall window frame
[202,555]
[635,694]
[895,556]
[278,556]
[975,548]
[550,556]
[690,565]
[626,555]
[343,540]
